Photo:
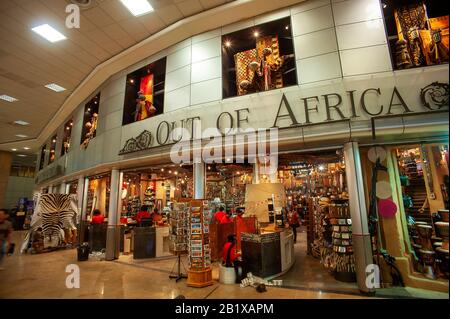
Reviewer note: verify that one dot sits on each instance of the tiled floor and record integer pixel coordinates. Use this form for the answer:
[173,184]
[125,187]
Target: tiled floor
[44,276]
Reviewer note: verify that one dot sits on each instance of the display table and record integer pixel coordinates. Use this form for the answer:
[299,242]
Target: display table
[151,242]
[268,255]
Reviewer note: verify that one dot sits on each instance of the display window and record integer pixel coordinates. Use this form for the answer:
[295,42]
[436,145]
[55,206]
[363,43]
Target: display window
[90,120]
[98,193]
[42,157]
[418,32]
[423,176]
[258,59]
[53,142]
[67,137]
[154,189]
[144,93]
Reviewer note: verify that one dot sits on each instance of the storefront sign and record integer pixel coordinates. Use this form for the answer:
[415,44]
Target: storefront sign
[294,110]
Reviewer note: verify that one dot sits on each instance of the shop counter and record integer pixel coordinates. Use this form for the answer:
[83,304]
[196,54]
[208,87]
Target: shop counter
[268,255]
[151,242]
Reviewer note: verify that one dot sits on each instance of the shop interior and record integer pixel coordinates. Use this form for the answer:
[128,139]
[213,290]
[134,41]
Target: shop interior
[424,183]
[313,185]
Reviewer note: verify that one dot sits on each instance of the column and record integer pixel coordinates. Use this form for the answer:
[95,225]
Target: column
[255,172]
[62,188]
[113,232]
[83,205]
[199,180]
[5,171]
[362,246]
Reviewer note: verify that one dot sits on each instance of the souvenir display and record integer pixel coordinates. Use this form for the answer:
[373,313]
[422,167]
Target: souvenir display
[178,223]
[199,253]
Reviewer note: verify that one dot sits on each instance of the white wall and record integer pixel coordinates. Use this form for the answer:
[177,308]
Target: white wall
[333,40]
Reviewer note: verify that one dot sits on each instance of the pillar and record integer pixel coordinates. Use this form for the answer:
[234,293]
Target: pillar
[63,188]
[113,232]
[362,247]
[199,180]
[83,206]
[255,172]
[5,171]
[80,192]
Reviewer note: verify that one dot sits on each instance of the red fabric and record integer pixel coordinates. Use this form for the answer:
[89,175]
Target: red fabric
[218,216]
[141,215]
[225,219]
[293,218]
[97,219]
[233,254]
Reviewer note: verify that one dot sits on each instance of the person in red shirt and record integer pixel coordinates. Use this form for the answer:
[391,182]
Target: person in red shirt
[143,213]
[157,217]
[97,217]
[294,222]
[219,215]
[226,218]
[239,213]
[231,258]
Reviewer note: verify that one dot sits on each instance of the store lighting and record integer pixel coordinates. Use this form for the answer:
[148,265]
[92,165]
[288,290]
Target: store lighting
[8,98]
[26,148]
[14,149]
[20,122]
[131,81]
[209,167]
[162,169]
[21,135]
[228,44]
[55,87]
[137,7]
[256,34]
[287,27]
[321,167]
[170,172]
[49,33]
[21,155]
[176,173]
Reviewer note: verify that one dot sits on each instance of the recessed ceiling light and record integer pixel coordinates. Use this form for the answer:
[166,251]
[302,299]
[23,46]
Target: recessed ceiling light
[48,32]
[21,135]
[20,122]
[14,149]
[26,148]
[21,155]
[137,7]
[8,98]
[55,87]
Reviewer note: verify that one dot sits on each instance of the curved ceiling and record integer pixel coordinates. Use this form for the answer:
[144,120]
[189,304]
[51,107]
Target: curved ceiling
[109,39]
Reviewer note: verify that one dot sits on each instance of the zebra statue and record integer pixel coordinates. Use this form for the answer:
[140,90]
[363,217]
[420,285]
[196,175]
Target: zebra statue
[53,213]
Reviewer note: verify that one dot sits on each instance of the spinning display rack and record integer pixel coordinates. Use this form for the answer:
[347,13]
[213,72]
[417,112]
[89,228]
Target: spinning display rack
[199,273]
[179,235]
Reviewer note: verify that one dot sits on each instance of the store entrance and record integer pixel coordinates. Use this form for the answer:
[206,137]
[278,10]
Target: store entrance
[147,195]
[316,191]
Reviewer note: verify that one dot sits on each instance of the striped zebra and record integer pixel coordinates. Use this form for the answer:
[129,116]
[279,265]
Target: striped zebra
[53,213]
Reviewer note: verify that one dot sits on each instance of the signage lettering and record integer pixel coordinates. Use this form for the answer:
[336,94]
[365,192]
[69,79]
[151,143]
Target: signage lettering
[363,101]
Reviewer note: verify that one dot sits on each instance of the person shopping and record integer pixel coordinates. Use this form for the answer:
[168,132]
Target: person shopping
[6,230]
[219,215]
[97,217]
[294,222]
[231,258]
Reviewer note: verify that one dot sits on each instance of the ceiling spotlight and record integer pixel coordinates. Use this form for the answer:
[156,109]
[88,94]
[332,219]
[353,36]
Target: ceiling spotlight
[228,44]
[8,98]
[256,34]
[162,169]
[137,7]
[14,149]
[21,135]
[26,148]
[287,27]
[209,167]
[384,5]
[131,81]
[48,32]
[321,167]
[55,87]
[20,122]
[21,155]
[176,173]
[170,172]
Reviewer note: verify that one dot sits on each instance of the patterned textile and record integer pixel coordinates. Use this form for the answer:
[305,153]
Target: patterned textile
[273,60]
[53,213]
[243,72]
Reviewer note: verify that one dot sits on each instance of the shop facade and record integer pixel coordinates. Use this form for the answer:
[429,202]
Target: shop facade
[312,77]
